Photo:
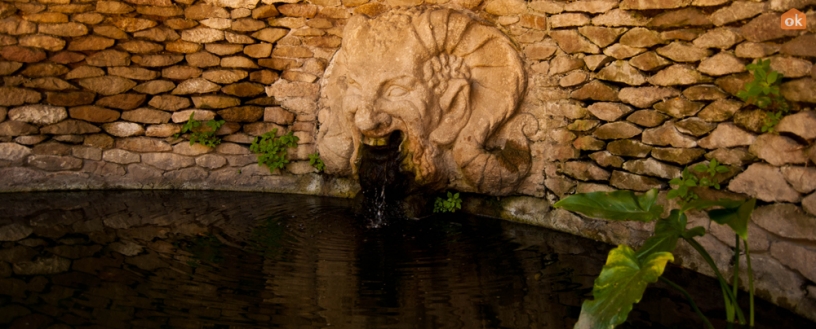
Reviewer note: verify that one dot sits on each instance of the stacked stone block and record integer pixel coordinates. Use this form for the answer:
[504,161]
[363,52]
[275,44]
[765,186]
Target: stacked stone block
[626,92]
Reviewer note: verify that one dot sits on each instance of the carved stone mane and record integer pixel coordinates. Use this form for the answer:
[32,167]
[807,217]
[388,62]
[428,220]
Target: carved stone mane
[449,83]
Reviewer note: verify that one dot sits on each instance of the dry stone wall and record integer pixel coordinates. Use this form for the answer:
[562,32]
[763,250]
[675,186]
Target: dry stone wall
[626,93]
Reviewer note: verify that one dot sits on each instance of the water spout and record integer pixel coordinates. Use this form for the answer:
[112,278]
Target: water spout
[384,186]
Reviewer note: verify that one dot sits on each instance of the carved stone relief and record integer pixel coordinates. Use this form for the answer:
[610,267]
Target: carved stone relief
[450,84]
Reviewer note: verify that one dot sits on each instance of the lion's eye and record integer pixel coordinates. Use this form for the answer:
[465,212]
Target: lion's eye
[396,91]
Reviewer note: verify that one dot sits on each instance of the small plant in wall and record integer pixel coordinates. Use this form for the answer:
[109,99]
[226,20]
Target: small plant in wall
[204,135]
[688,180]
[449,204]
[271,149]
[627,272]
[316,162]
[763,92]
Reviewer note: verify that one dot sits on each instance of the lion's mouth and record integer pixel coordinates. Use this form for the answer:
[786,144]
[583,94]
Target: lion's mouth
[394,138]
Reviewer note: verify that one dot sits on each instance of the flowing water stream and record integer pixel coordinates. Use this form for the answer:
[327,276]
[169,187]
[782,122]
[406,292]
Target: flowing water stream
[194,259]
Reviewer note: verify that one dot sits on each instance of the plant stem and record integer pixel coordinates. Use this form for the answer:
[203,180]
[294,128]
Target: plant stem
[691,301]
[730,302]
[750,284]
[735,282]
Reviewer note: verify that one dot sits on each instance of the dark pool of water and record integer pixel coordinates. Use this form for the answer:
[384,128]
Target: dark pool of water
[180,259]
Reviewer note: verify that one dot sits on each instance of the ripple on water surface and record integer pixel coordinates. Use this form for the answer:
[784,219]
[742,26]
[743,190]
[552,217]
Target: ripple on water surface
[189,259]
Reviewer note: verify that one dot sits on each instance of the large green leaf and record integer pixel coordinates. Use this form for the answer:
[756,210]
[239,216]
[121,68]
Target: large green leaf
[618,205]
[621,284]
[735,217]
[667,232]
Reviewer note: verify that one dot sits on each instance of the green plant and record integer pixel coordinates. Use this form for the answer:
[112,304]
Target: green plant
[202,135]
[688,180]
[763,92]
[627,272]
[315,161]
[271,149]
[449,204]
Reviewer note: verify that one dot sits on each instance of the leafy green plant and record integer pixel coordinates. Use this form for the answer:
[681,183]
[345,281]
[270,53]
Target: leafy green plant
[449,204]
[204,135]
[763,92]
[687,180]
[627,272]
[315,161]
[271,149]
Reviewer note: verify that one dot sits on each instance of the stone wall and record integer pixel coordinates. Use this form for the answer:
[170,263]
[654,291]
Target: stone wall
[626,93]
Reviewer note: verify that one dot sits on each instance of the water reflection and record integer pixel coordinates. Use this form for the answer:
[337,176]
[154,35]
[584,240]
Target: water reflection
[176,259]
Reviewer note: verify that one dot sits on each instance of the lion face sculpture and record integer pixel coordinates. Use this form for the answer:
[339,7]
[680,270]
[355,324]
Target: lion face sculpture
[444,81]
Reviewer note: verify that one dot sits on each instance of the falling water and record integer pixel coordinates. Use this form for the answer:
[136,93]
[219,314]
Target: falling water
[383,184]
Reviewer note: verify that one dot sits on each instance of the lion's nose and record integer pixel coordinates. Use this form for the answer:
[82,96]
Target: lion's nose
[368,120]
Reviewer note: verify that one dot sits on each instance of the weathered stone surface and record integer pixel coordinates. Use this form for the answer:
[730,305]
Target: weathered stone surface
[167,161]
[651,167]
[721,64]
[184,47]
[588,143]
[791,67]
[232,148]
[157,60]
[571,42]
[195,86]
[796,224]
[727,135]
[202,35]
[722,38]
[796,256]
[54,162]
[67,57]
[540,51]
[22,54]
[609,111]
[42,266]
[122,101]
[647,118]
[678,74]
[800,124]
[84,72]
[94,114]
[679,51]
[120,156]
[107,85]
[70,127]
[606,159]
[52,148]
[87,152]
[641,38]
[135,73]
[200,115]
[211,161]
[583,125]
[203,59]
[802,179]
[102,141]
[704,93]
[593,62]
[108,58]
[756,50]
[621,71]
[568,20]
[16,128]
[680,18]
[42,41]
[682,156]
[140,47]
[113,7]
[107,31]
[733,83]
[751,119]
[30,140]
[132,24]
[694,126]
[146,115]
[778,150]
[619,51]
[188,149]
[764,28]
[802,45]
[169,102]
[143,144]
[629,181]
[242,114]
[162,130]
[278,115]
[202,11]
[585,171]
[766,183]
[734,156]
[737,11]
[38,114]
[123,129]
[629,148]
[180,72]
[618,17]
[309,10]
[215,102]
[16,26]
[800,90]
[13,152]
[7,68]
[15,232]
[270,34]
[809,204]
[155,87]
[667,134]
[69,29]
[596,90]
[617,130]
[644,97]
[260,128]
[679,107]
[601,36]
[217,23]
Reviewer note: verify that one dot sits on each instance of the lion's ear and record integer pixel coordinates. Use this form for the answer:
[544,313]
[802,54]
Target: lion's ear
[455,106]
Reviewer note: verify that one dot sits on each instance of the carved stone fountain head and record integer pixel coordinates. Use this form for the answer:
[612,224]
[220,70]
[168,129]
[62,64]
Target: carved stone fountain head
[447,82]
